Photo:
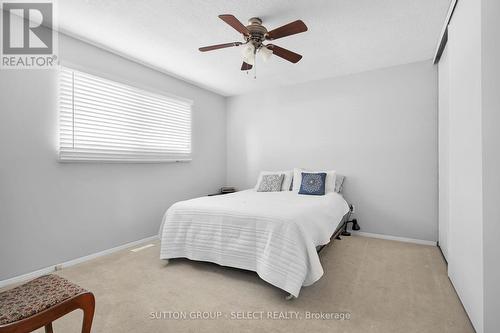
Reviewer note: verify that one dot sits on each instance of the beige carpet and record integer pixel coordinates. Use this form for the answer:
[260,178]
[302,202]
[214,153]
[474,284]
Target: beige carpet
[385,286]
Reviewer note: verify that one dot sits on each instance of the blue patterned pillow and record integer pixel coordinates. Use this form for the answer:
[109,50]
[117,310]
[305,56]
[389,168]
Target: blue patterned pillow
[313,183]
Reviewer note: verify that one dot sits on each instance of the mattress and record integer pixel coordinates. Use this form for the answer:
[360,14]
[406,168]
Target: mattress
[274,234]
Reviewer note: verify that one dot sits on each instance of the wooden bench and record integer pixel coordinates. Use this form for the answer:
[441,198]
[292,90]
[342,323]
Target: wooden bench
[41,301]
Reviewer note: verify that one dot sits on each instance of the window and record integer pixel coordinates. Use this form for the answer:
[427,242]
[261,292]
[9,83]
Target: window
[102,120]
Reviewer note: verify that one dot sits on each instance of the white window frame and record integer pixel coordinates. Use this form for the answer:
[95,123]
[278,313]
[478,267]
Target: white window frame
[126,138]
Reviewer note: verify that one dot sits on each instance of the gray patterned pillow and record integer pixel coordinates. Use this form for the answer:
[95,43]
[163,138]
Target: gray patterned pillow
[271,183]
[339,183]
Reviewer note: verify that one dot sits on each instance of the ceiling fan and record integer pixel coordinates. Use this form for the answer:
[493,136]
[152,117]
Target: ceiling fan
[254,36]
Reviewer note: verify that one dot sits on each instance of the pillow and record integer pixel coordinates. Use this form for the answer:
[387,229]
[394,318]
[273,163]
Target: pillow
[313,183]
[329,182]
[287,180]
[271,183]
[339,183]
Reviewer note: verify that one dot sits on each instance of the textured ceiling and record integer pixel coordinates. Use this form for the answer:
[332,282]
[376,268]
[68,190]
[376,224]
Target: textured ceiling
[344,36]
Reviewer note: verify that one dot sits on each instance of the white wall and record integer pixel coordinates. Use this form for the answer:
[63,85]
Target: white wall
[377,128]
[52,212]
[491,162]
[465,266]
[444,151]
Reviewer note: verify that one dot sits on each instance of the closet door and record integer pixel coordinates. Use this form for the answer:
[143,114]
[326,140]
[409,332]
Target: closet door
[444,151]
[465,230]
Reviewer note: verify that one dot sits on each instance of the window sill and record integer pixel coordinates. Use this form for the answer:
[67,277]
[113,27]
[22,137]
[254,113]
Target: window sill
[122,160]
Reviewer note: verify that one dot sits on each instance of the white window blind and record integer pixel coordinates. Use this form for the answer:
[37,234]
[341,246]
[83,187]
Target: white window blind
[102,120]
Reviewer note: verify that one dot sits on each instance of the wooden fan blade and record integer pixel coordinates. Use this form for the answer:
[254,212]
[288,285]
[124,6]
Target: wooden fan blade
[284,53]
[245,66]
[219,46]
[288,29]
[235,23]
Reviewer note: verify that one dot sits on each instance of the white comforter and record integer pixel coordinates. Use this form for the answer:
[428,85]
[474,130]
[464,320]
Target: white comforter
[272,233]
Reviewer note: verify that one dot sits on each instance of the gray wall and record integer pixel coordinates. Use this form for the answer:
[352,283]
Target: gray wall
[378,128]
[491,162]
[52,212]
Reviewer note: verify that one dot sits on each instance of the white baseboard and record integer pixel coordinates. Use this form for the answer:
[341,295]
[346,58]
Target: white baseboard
[50,269]
[394,238]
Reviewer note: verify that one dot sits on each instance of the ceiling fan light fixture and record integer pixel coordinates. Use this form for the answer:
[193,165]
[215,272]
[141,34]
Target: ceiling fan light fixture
[254,35]
[248,53]
[265,53]
[250,59]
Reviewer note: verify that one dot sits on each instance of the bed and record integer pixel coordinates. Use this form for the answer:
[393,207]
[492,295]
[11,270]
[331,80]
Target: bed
[275,234]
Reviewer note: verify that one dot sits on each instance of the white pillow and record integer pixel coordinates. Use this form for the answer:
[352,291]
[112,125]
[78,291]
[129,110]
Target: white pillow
[331,175]
[287,180]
